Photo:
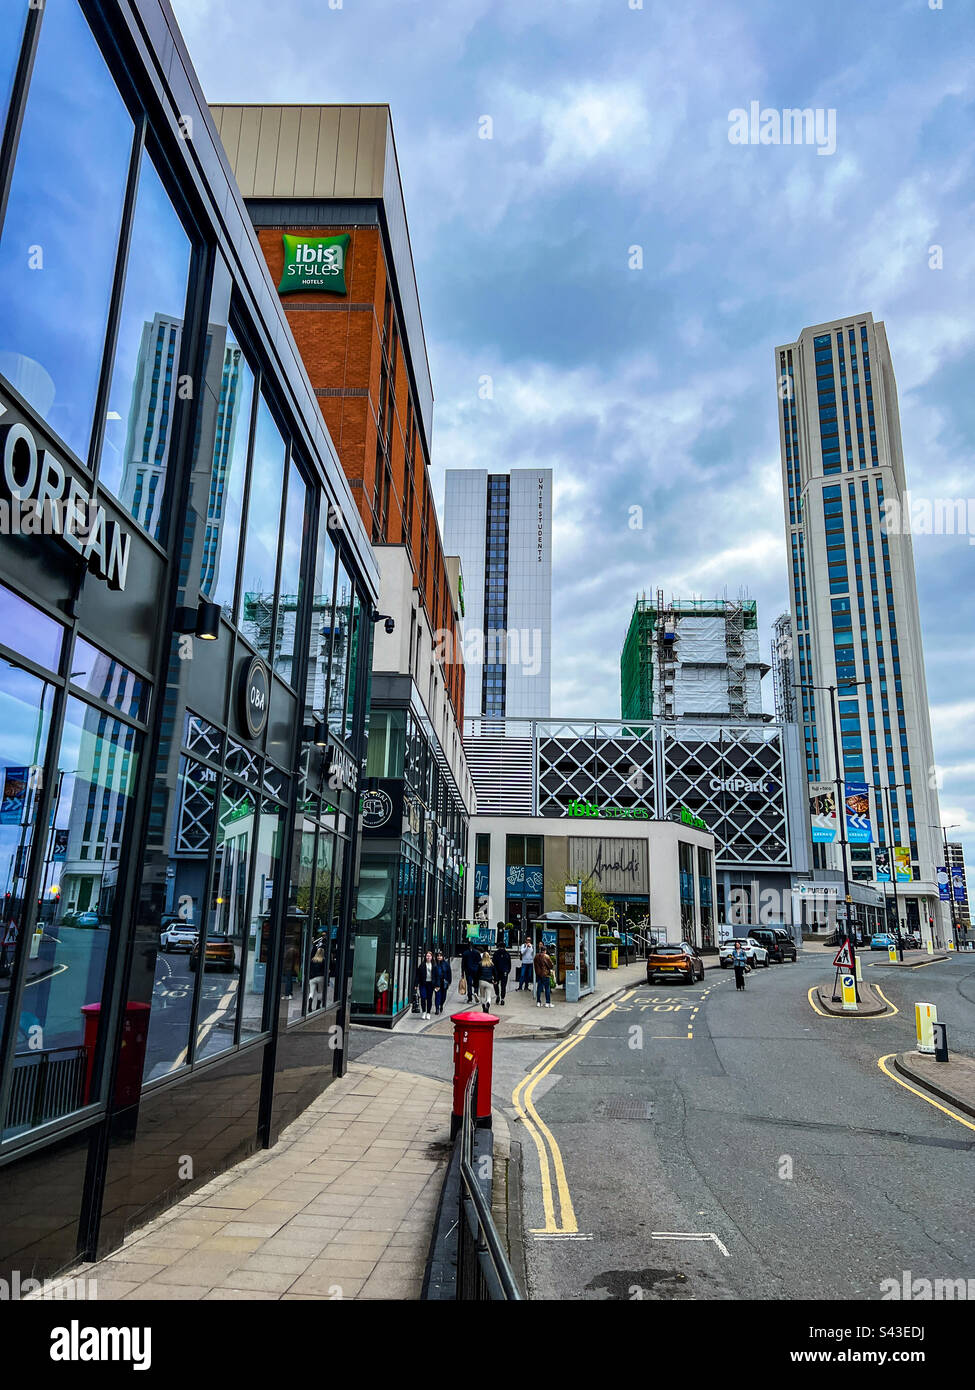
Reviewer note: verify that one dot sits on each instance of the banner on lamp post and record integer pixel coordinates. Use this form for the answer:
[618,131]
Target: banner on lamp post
[857,808]
[822,812]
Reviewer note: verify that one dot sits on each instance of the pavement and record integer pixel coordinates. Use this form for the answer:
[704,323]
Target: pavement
[520,1016]
[912,959]
[342,1206]
[953,1081]
[871,1003]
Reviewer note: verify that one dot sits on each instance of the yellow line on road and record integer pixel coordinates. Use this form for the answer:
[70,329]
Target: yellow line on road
[893,1007]
[544,1140]
[812,1005]
[881,1063]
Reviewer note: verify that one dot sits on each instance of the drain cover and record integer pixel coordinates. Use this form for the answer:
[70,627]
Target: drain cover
[624,1109]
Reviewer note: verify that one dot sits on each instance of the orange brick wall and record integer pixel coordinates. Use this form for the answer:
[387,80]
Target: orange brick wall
[340,341]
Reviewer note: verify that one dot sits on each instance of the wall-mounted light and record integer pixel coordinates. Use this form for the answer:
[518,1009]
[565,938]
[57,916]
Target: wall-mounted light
[316,733]
[203,620]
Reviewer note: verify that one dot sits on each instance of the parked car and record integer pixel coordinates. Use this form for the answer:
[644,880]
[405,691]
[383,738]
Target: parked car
[678,959]
[178,935]
[754,950]
[80,919]
[777,941]
[910,941]
[218,953]
[882,941]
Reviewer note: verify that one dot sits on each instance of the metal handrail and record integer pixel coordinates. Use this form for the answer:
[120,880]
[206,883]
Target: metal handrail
[492,1261]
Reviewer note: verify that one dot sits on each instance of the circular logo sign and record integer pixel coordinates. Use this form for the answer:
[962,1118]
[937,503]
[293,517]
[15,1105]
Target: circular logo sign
[254,694]
[377,809]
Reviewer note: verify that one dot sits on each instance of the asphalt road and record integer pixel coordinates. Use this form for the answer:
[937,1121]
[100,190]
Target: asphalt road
[769,1128]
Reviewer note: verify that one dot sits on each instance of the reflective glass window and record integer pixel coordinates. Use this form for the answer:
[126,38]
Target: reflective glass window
[61,233]
[105,677]
[27,630]
[322,618]
[289,584]
[261,535]
[69,947]
[341,644]
[227,922]
[297,925]
[267,871]
[177,958]
[11,38]
[25,722]
[145,375]
[324,931]
[230,399]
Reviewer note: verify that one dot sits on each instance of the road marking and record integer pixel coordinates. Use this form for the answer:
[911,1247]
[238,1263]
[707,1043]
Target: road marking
[544,1140]
[893,1007]
[561,1235]
[870,1018]
[936,1103]
[814,1008]
[691,1235]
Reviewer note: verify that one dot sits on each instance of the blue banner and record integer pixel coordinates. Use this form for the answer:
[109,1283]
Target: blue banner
[943,883]
[958,883]
[858,828]
[522,882]
[882,857]
[482,878]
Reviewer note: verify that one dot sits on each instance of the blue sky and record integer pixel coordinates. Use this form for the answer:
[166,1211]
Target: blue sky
[655,387]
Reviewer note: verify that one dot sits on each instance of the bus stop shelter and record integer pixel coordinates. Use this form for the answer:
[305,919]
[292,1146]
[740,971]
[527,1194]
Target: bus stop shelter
[575,950]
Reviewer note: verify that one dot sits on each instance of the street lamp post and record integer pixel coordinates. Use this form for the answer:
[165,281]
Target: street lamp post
[891,866]
[840,811]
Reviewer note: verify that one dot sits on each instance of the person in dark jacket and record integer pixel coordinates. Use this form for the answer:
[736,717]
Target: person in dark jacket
[426,983]
[485,980]
[471,961]
[502,969]
[444,978]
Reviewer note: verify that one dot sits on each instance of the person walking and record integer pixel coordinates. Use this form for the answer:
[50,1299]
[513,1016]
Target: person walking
[544,966]
[426,973]
[443,978]
[502,969]
[527,954]
[485,981]
[740,961]
[471,962]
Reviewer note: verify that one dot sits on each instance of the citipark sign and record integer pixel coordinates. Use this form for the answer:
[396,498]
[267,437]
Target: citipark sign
[314,263]
[742,784]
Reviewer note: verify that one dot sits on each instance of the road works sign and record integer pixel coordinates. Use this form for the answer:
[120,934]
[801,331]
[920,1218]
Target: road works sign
[843,960]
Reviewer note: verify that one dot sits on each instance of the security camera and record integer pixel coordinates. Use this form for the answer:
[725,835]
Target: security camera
[390,626]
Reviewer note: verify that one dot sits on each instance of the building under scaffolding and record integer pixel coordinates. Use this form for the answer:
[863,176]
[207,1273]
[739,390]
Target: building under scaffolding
[692,659]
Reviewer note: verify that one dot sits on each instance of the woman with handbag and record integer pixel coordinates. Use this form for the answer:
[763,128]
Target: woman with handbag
[444,979]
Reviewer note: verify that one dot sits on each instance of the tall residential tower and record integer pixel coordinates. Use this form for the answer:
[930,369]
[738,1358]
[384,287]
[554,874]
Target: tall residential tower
[854,604]
[500,524]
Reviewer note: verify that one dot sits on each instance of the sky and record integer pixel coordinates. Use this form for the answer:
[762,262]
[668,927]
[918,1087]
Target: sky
[644,378]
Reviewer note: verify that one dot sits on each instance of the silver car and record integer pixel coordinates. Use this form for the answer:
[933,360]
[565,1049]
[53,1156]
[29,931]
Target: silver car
[756,953]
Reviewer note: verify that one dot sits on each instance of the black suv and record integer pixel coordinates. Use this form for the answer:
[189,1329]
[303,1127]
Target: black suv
[777,942]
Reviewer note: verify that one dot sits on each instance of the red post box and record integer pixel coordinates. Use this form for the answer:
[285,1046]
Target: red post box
[135,1030]
[473,1047]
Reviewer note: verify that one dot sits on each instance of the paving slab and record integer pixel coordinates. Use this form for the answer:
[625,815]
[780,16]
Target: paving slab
[953,1081]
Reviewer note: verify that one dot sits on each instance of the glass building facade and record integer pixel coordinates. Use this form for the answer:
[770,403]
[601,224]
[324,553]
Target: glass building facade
[185,591]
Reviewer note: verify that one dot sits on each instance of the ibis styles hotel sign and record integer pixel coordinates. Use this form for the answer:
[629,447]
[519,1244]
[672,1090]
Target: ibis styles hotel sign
[314,263]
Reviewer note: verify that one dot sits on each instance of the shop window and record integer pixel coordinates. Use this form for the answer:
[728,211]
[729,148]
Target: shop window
[267,872]
[221,955]
[145,381]
[106,678]
[25,723]
[341,648]
[61,231]
[27,630]
[289,585]
[180,918]
[68,952]
[373,960]
[387,743]
[218,491]
[261,533]
[320,981]
[322,618]
[361,631]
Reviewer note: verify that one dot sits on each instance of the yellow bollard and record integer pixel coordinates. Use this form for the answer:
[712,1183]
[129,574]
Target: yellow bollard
[925,1016]
[849,991]
[892,954]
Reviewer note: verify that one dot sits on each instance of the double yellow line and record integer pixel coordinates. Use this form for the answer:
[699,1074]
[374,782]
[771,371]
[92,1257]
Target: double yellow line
[549,1153]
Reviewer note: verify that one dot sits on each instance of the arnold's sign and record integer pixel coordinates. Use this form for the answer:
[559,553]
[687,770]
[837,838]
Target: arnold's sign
[40,497]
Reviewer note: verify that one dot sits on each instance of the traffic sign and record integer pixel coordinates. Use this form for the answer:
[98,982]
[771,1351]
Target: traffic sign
[849,992]
[843,960]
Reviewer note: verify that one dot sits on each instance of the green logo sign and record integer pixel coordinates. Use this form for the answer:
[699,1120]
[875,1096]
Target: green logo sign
[314,263]
[590,808]
[688,818]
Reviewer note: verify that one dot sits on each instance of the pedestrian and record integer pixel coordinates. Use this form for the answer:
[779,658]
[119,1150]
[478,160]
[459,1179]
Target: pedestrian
[502,969]
[527,954]
[485,980]
[544,966]
[740,961]
[426,983]
[471,961]
[290,968]
[443,981]
[316,975]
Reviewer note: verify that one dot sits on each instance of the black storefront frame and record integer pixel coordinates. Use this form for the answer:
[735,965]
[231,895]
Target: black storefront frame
[121,29]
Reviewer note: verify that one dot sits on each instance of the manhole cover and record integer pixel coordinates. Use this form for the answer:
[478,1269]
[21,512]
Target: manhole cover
[624,1109]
